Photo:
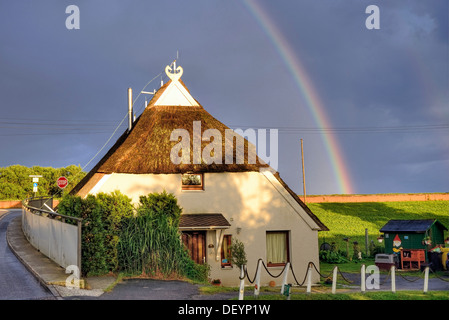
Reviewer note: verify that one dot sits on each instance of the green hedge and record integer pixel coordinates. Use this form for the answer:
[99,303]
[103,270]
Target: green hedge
[118,237]
[102,217]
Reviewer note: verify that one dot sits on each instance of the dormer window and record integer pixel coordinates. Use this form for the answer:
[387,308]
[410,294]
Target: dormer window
[192,181]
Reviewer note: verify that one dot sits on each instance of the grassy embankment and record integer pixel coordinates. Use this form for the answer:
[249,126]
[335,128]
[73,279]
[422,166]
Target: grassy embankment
[351,219]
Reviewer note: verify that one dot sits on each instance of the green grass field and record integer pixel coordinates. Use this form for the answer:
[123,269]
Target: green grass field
[351,219]
[402,295]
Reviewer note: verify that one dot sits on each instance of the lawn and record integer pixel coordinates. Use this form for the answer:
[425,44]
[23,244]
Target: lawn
[384,295]
[323,293]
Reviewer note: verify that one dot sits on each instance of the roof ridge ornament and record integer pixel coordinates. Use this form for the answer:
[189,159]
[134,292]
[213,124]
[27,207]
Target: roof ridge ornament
[174,73]
[175,94]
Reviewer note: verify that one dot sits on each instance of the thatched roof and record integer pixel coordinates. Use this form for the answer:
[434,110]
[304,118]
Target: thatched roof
[146,148]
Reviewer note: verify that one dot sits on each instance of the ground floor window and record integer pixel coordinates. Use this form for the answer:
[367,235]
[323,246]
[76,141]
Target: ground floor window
[226,251]
[277,248]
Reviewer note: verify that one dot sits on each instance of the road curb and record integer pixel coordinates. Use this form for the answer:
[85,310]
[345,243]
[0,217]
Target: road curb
[15,250]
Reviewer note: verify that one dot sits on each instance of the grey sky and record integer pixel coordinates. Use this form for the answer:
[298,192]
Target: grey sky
[386,91]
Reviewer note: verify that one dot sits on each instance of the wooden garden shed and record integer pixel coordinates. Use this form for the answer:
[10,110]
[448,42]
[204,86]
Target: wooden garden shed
[412,234]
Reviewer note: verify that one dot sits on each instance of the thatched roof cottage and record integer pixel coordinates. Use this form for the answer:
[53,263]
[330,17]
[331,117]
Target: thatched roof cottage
[225,192]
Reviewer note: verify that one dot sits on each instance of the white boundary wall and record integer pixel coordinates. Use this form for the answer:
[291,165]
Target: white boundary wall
[58,240]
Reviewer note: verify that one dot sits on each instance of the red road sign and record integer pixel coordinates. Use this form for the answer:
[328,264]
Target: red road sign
[62,182]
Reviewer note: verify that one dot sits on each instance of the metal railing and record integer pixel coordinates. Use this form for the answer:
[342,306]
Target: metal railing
[55,235]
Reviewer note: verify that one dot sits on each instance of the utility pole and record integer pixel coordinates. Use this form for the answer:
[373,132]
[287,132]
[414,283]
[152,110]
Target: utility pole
[303,172]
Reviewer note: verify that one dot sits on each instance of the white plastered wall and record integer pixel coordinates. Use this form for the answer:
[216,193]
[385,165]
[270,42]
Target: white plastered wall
[253,203]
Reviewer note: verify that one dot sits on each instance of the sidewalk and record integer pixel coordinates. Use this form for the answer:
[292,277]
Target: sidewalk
[45,270]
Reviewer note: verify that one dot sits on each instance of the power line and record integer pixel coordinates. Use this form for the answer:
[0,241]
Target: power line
[43,129]
[349,130]
[21,125]
[53,134]
[113,133]
[120,124]
[51,121]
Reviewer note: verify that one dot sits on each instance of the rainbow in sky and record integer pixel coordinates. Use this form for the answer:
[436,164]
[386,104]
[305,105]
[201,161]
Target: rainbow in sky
[308,91]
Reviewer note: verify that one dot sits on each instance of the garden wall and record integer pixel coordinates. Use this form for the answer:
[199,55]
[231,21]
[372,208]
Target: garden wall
[17,204]
[376,197]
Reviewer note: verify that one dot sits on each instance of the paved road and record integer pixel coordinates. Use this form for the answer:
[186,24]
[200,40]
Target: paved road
[16,282]
[150,289]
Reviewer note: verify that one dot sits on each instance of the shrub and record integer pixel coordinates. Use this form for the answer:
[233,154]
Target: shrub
[330,256]
[113,238]
[102,217]
[150,242]
[163,204]
[114,208]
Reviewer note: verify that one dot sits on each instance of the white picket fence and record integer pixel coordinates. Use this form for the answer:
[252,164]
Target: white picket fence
[371,274]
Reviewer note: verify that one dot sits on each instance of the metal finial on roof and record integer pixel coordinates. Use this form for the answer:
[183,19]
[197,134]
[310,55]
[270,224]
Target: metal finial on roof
[174,73]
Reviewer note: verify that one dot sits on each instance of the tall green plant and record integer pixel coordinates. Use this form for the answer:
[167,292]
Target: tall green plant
[150,242]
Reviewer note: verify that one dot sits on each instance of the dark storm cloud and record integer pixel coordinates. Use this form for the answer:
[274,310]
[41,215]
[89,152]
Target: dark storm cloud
[393,77]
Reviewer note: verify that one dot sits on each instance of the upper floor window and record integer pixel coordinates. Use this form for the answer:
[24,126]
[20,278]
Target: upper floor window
[192,181]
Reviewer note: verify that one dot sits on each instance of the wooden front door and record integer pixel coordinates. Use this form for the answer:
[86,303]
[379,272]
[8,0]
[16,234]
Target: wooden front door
[195,241]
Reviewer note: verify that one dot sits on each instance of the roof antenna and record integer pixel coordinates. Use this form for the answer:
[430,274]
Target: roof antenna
[146,92]
[130,109]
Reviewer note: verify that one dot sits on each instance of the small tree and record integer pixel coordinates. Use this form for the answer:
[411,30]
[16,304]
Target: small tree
[238,254]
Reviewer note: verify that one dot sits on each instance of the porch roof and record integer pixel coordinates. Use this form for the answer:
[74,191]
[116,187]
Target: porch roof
[203,221]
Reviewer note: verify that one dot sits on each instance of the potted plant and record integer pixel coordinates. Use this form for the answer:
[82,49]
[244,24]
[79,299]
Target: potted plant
[216,282]
[380,239]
